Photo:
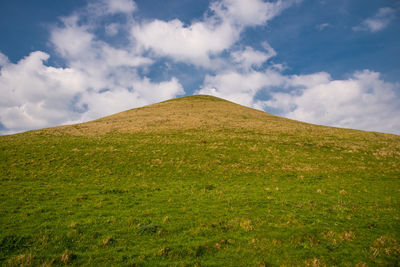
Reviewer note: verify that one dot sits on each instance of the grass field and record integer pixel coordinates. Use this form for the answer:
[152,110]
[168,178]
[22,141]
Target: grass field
[199,181]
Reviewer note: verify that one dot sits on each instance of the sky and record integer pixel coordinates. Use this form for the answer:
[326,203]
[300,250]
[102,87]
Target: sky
[327,62]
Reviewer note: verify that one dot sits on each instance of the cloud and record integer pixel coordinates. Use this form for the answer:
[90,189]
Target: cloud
[377,22]
[249,58]
[193,44]
[34,95]
[120,6]
[201,41]
[323,26]
[99,79]
[3,59]
[112,29]
[245,13]
[109,7]
[241,87]
[143,92]
[363,101]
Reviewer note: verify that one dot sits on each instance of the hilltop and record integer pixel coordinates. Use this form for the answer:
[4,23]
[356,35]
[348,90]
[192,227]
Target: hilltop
[185,113]
[192,113]
[199,181]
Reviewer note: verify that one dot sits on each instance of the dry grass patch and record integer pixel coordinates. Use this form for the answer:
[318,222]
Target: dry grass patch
[67,257]
[21,260]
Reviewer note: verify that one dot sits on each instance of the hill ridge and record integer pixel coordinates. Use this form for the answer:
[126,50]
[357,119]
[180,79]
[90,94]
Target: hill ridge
[196,112]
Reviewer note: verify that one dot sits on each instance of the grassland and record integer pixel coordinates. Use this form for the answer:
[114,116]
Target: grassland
[199,181]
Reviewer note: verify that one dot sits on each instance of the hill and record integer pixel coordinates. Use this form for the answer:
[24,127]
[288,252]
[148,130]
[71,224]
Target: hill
[199,181]
[185,113]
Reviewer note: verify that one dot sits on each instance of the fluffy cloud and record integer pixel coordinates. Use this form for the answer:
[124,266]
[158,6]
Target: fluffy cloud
[144,92]
[33,95]
[110,7]
[241,87]
[120,6]
[99,80]
[3,59]
[249,12]
[377,22]
[250,58]
[363,101]
[200,41]
[194,44]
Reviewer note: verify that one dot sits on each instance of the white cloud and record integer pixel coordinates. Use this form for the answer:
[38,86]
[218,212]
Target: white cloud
[120,6]
[249,58]
[112,29]
[241,87]
[101,8]
[323,26]
[363,101]
[193,44]
[105,66]
[143,92]
[249,12]
[307,80]
[72,41]
[34,95]
[99,80]
[200,41]
[3,59]
[377,22]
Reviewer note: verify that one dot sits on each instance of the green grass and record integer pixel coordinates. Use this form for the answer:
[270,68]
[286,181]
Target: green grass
[220,196]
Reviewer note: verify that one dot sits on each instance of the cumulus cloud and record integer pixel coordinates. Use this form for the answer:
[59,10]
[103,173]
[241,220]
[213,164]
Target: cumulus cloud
[377,22]
[143,92]
[194,44]
[200,41]
[120,6]
[33,95]
[249,58]
[99,79]
[3,59]
[363,101]
[112,29]
[240,87]
[110,7]
[249,12]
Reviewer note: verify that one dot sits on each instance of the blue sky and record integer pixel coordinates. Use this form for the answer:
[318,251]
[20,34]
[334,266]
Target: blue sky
[326,62]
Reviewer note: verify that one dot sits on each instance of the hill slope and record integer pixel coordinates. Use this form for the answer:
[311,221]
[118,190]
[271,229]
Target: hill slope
[199,180]
[185,113]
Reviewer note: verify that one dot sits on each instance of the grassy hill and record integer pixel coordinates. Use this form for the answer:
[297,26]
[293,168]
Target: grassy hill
[199,181]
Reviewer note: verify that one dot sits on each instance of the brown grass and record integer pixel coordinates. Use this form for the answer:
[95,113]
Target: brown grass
[67,257]
[21,260]
[202,112]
